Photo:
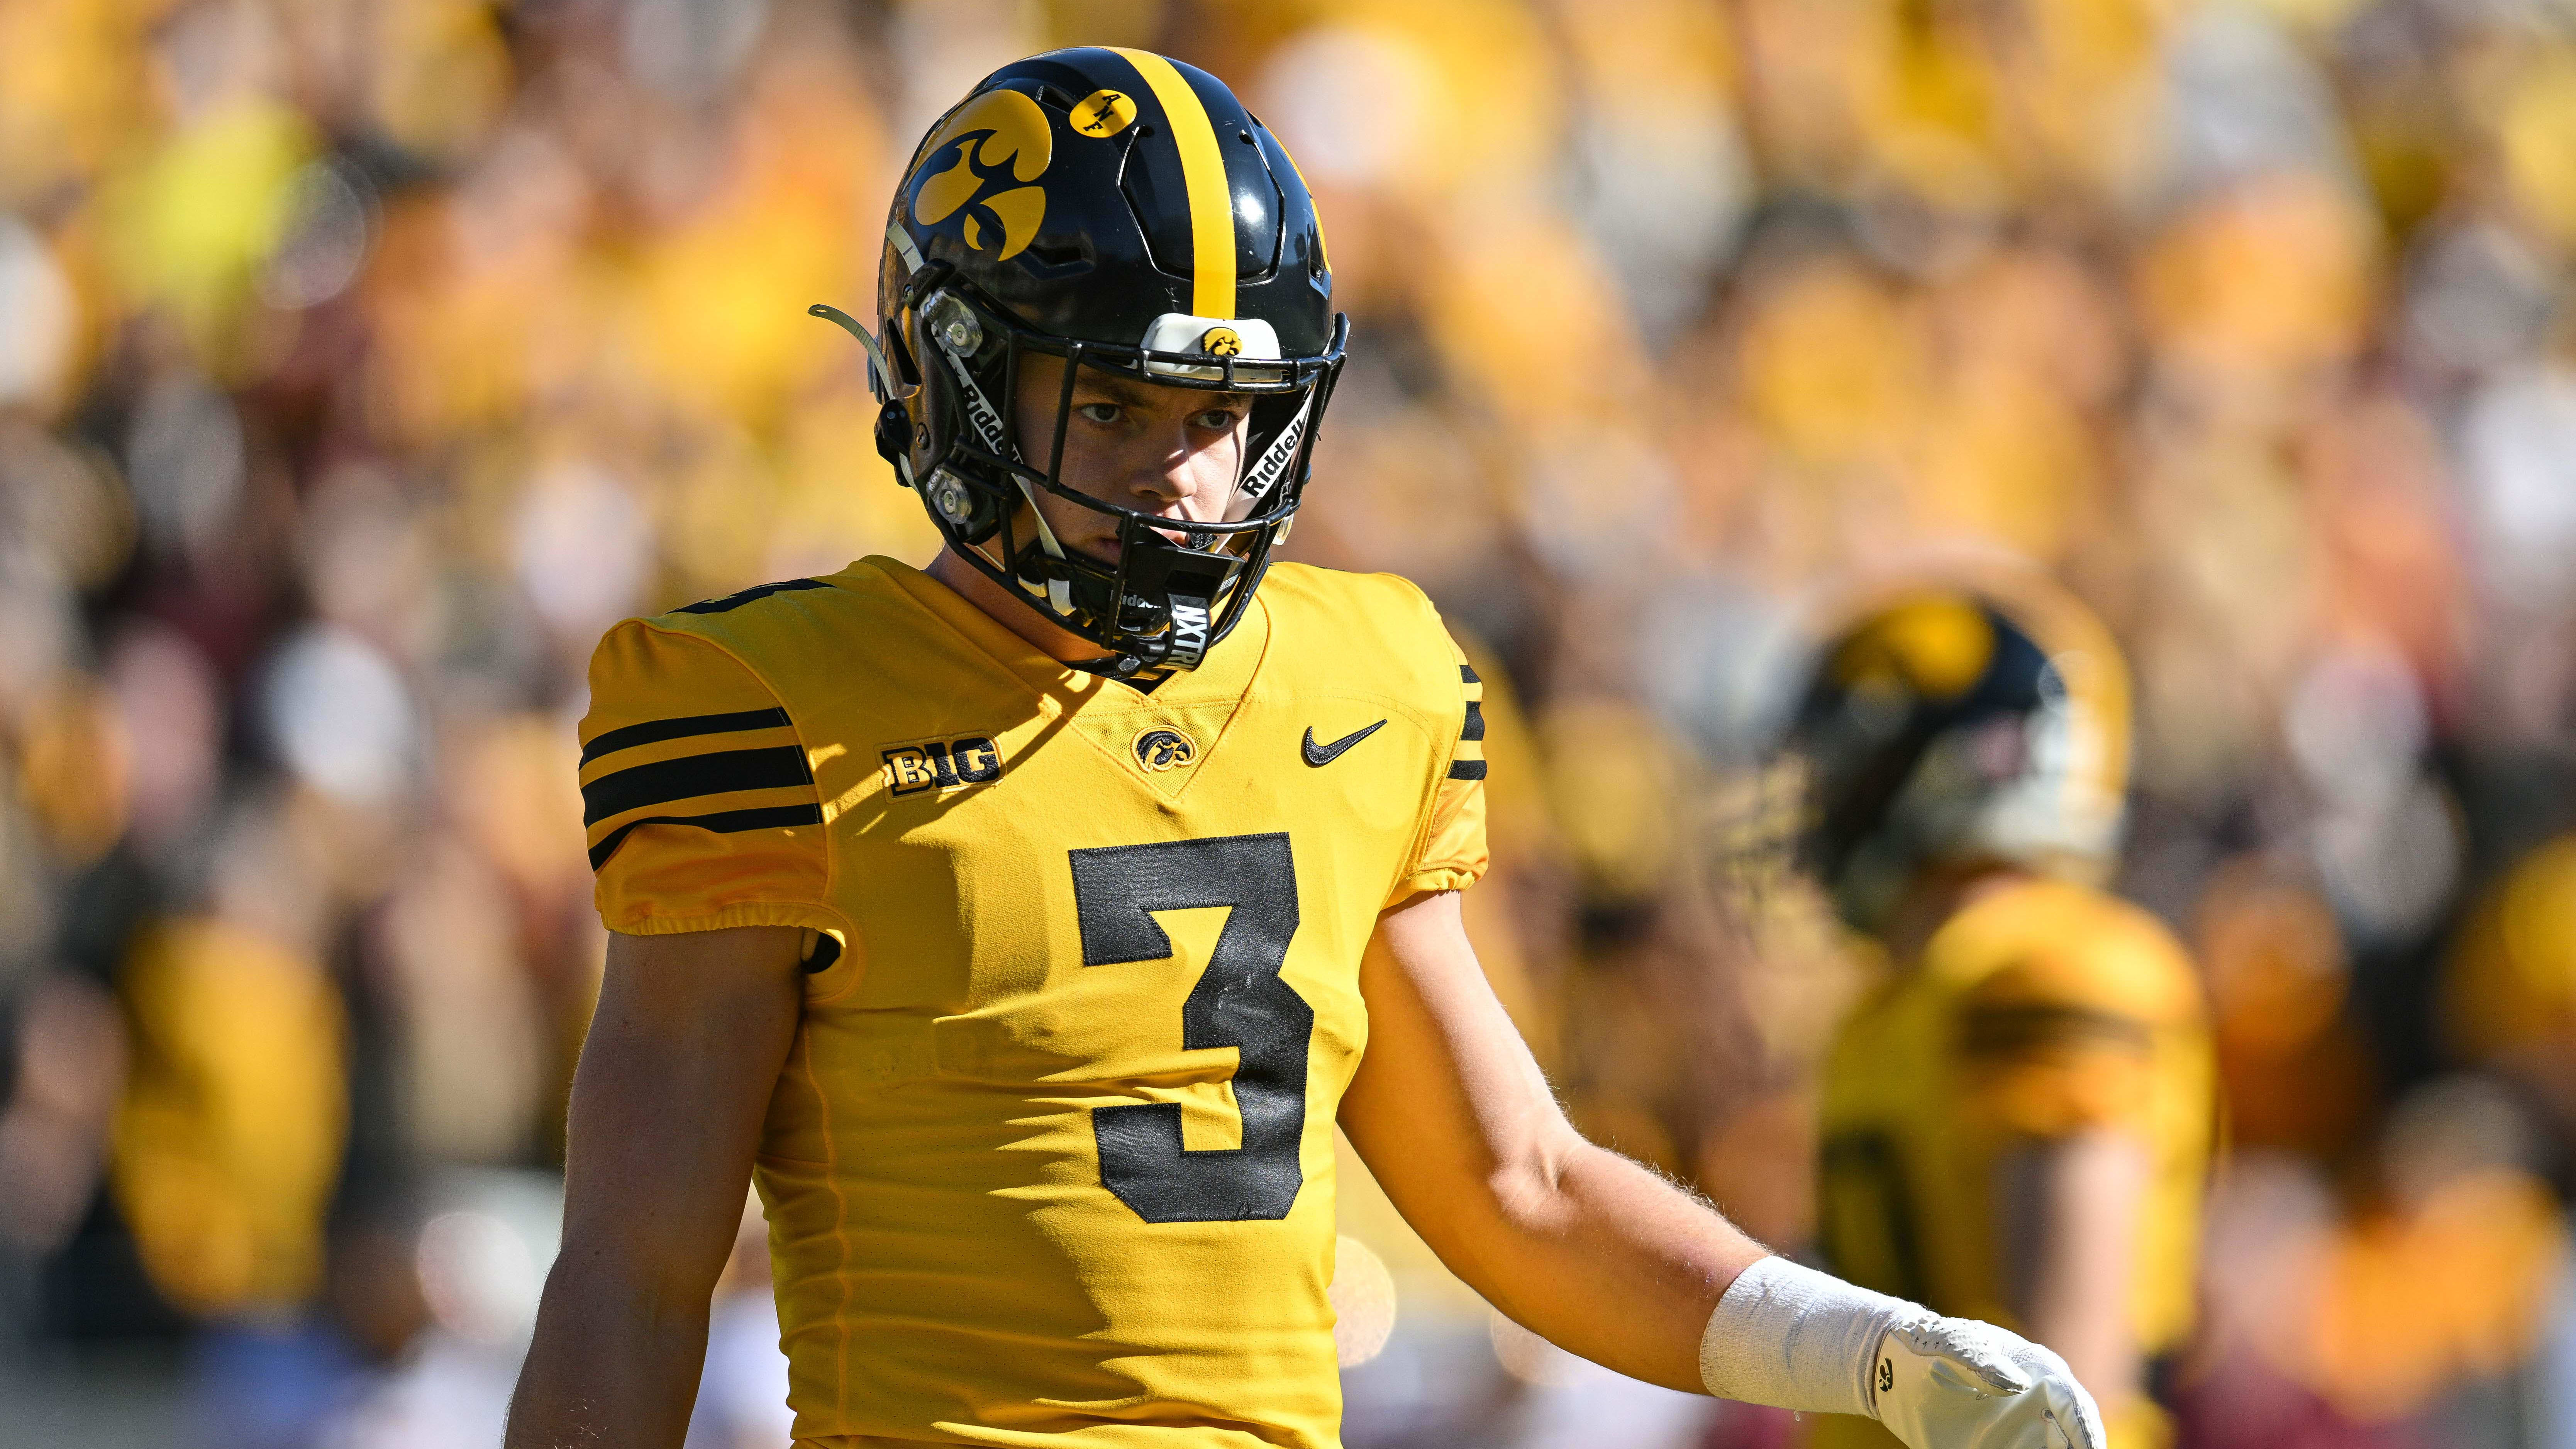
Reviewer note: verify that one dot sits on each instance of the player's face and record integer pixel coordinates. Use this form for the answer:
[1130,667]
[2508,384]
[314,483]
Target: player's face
[1170,451]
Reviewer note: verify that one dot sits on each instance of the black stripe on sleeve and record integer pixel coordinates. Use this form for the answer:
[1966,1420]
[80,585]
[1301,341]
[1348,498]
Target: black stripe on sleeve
[722,822]
[735,601]
[1475,729]
[1466,769]
[1467,675]
[654,731]
[664,781]
[2009,1031]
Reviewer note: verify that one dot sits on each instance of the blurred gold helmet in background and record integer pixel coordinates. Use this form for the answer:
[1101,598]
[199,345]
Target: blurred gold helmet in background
[1948,721]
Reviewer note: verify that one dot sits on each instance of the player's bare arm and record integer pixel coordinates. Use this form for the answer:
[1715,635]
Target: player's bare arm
[1577,1243]
[666,1108]
[1606,1260]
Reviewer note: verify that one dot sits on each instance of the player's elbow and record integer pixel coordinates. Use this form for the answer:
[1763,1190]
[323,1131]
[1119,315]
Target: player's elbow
[633,1274]
[1530,1186]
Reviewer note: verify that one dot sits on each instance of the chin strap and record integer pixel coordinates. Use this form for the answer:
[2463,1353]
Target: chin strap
[880,372]
[1058,592]
[1109,666]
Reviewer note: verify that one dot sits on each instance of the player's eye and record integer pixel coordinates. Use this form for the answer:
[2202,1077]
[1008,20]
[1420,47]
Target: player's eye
[1217,419]
[1099,412]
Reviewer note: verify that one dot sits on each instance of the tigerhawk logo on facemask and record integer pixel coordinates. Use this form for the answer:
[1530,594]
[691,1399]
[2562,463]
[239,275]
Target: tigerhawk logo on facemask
[1221,342]
[979,166]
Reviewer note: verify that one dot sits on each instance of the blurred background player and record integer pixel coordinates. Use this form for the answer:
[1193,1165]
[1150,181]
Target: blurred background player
[2017,1118]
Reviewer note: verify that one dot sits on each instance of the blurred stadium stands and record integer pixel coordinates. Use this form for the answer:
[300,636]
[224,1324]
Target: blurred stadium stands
[360,362]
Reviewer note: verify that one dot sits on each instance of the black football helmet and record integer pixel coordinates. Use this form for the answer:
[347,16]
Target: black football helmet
[1950,724]
[1122,211]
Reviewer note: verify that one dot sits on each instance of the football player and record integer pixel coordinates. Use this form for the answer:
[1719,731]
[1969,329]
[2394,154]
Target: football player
[1021,926]
[2016,1122]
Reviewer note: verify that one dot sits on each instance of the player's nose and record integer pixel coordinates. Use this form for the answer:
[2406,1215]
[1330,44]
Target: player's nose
[1173,472]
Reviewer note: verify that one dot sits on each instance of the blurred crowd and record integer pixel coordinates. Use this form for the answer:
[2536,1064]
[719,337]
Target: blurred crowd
[359,363]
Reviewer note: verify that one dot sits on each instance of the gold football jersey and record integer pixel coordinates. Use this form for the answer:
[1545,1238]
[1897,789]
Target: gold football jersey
[1051,1159]
[2042,1009]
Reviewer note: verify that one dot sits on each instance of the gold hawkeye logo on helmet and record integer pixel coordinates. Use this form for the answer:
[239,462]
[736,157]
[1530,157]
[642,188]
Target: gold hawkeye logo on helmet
[994,145]
[1221,342]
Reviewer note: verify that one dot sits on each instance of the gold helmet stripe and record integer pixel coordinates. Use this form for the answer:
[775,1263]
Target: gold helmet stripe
[1211,196]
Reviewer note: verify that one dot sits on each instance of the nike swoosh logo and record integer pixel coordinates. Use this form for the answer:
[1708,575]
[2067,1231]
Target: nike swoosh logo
[1322,755]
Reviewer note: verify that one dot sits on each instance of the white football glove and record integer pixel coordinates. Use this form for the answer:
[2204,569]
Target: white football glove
[1786,1335]
[1955,1383]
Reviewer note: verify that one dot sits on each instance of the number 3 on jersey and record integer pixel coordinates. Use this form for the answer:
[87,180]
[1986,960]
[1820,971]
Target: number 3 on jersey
[1240,1001]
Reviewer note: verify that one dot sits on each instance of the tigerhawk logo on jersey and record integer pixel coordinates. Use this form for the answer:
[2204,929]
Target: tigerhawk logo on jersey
[996,145]
[950,764]
[1160,749]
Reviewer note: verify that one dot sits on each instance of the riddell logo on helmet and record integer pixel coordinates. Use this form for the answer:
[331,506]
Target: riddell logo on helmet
[979,409]
[979,165]
[1275,460]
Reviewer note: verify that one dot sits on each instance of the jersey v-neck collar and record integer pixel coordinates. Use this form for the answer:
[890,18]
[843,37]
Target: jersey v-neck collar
[1226,674]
